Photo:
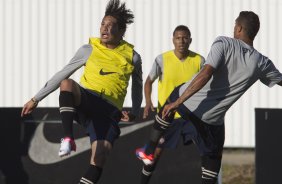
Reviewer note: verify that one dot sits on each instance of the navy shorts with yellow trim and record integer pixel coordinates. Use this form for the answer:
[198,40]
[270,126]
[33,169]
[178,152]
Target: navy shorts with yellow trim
[98,116]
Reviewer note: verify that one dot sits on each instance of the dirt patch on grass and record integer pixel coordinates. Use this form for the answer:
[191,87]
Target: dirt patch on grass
[238,174]
[238,167]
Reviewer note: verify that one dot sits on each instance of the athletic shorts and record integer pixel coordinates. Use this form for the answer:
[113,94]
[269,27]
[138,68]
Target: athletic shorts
[208,138]
[98,116]
[180,129]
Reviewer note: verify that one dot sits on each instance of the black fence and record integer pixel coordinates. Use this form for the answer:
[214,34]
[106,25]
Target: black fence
[29,153]
[268,145]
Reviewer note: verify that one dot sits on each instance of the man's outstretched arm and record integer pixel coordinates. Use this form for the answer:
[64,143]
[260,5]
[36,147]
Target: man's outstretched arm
[197,83]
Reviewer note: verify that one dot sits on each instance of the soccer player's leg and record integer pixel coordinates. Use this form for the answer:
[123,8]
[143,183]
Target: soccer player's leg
[69,90]
[211,160]
[148,170]
[103,130]
[100,150]
[146,154]
[169,140]
[211,148]
[210,168]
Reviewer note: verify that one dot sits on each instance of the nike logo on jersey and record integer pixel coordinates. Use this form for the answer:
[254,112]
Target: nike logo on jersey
[105,73]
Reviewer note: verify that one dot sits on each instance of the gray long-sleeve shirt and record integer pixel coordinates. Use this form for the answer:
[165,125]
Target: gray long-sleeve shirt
[79,60]
[237,67]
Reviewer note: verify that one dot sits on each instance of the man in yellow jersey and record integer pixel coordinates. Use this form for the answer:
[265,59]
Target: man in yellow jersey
[173,68]
[97,101]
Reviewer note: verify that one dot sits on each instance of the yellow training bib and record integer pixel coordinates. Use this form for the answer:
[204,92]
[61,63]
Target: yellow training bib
[107,71]
[176,72]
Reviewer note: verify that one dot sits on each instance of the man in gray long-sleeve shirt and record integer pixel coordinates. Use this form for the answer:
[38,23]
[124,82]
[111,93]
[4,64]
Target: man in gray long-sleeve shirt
[232,67]
[97,101]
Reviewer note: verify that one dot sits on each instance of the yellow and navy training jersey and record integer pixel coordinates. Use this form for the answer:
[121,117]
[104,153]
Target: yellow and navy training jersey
[172,72]
[107,71]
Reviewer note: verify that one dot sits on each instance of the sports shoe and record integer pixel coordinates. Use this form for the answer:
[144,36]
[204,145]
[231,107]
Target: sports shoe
[147,159]
[67,145]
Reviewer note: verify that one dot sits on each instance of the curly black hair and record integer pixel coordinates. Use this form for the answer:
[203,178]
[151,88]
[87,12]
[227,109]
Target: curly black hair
[118,11]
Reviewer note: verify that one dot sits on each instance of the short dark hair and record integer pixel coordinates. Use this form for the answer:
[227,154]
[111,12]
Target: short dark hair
[250,22]
[118,11]
[182,28]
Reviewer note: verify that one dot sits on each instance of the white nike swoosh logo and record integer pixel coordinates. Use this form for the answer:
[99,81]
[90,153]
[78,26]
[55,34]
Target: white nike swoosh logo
[41,151]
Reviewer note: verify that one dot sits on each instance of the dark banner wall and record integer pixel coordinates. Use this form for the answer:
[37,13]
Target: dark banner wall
[268,145]
[29,149]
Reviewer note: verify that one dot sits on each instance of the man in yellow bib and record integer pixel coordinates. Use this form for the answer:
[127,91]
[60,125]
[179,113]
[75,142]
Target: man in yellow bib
[173,68]
[97,101]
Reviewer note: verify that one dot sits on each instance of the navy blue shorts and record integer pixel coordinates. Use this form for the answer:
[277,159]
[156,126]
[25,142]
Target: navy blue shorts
[98,116]
[208,138]
[180,128]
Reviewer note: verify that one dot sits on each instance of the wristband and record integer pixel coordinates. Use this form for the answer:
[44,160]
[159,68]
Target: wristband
[35,102]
